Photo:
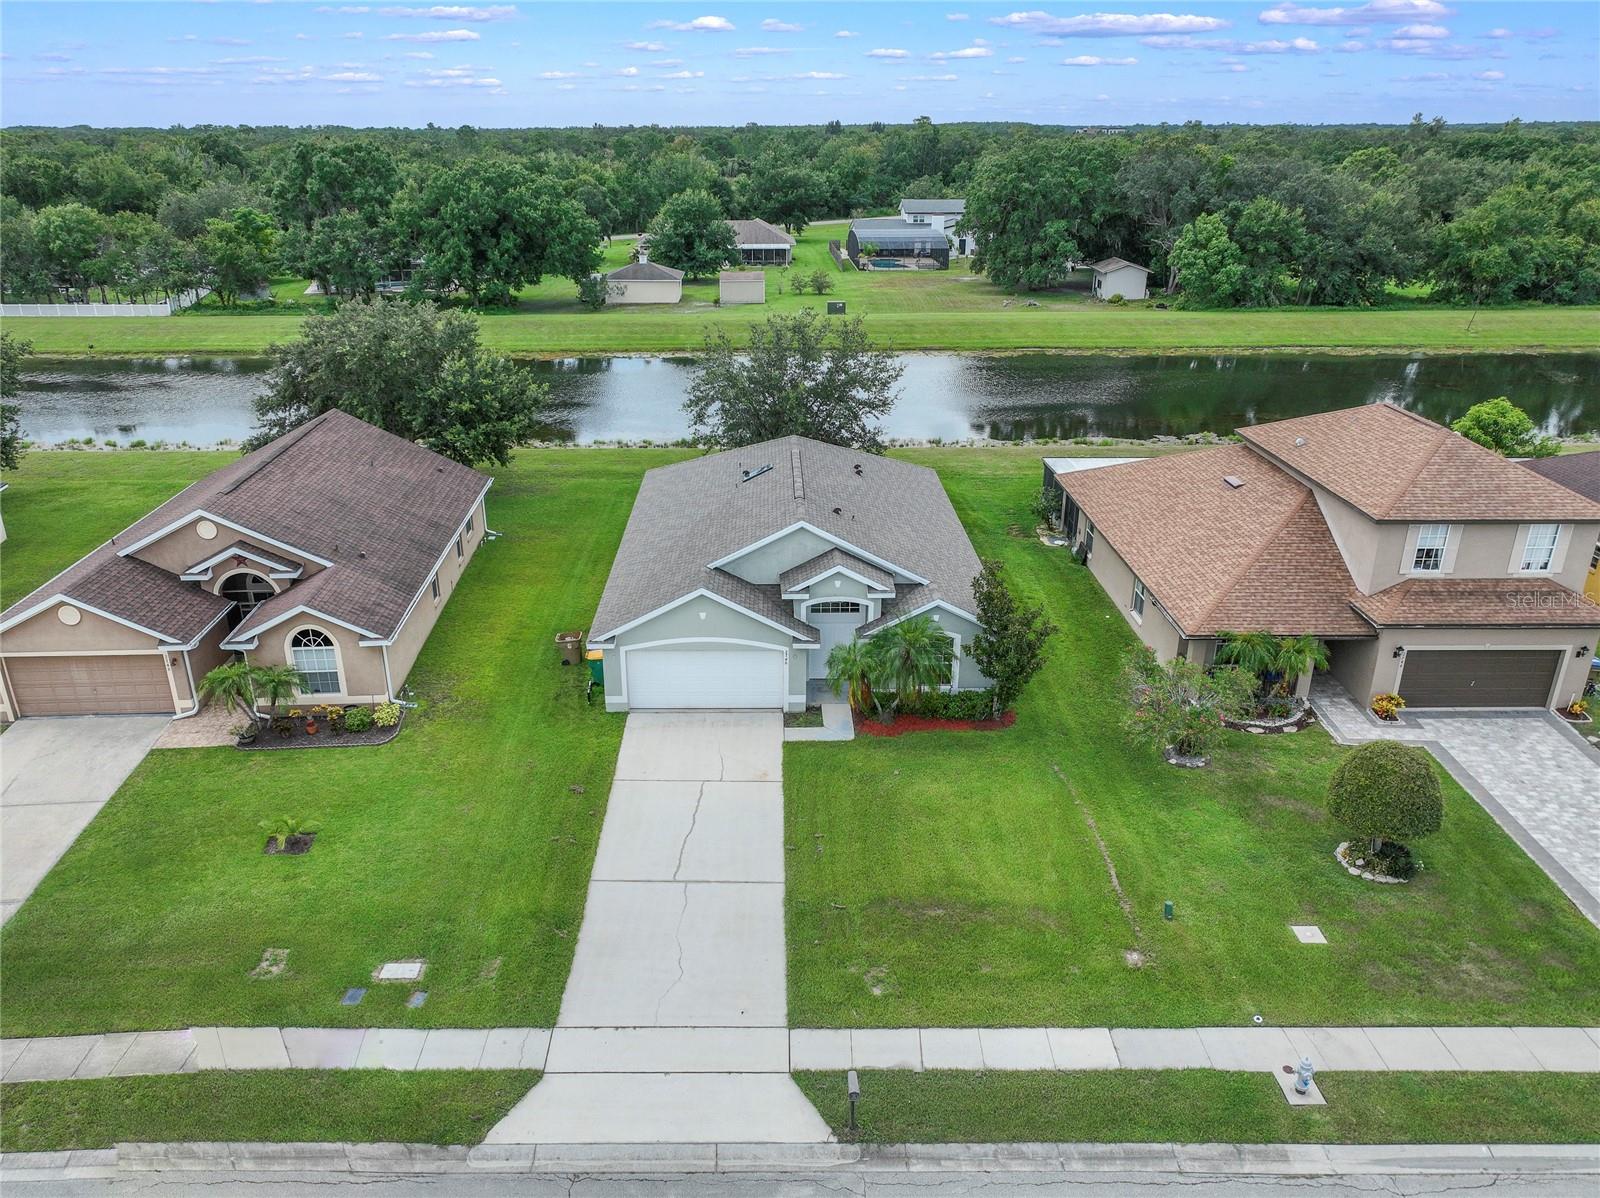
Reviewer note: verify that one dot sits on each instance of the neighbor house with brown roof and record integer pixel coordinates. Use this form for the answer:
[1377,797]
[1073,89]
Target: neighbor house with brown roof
[740,571]
[1578,472]
[1432,567]
[332,549]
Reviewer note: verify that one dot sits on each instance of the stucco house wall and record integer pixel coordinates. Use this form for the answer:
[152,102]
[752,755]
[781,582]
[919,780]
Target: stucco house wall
[645,291]
[184,546]
[1116,578]
[742,287]
[419,624]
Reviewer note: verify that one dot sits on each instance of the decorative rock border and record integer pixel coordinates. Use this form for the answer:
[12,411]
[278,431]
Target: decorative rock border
[1184,761]
[1342,856]
[1296,720]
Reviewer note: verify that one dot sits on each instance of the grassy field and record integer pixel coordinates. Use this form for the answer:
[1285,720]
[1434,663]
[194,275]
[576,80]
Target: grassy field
[958,880]
[362,1105]
[1191,1106]
[909,310]
[468,841]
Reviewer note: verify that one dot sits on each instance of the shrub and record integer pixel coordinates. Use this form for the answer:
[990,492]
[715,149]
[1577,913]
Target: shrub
[1116,298]
[1180,706]
[1046,506]
[386,715]
[594,291]
[821,282]
[1385,790]
[358,719]
[1387,706]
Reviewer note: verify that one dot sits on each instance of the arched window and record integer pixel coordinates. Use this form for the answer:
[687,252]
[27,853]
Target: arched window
[248,591]
[314,656]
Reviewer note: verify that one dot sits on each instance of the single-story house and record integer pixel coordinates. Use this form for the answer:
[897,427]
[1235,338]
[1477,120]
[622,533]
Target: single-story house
[1432,567]
[1117,276]
[759,243]
[742,287]
[946,214]
[887,242]
[332,548]
[644,283]
[1578,472]
[740,571]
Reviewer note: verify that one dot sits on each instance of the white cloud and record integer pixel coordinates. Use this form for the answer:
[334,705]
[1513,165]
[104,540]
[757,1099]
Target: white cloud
[888,53]
[305,37]
[1425,77]
[1109,24]
[1094,60]
[847,33]
[454,12]
[628,71]
[956,16]
[698,25]
[1430,32]
[819,75]
[418,54]
[1427,47]
[1351,47]
[666,62]
[646,47]
[968,52]
[1376,12]
[1498,33]
[1222,45]
[352,37]
[246,60]
[436,35]
[760,51]
[52,58]
[1016,58]
[558,74]
[932,78]
[353,77]
[773,25]
[685,75]
[1490,76]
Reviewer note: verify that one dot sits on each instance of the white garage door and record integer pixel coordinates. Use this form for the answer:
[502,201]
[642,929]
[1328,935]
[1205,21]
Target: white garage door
[715,676]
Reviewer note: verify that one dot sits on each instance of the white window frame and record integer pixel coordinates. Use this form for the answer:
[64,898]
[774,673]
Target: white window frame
[434,587]
[460,552]
[1136,606]
[289,649]
[1419,547]
[1526,564]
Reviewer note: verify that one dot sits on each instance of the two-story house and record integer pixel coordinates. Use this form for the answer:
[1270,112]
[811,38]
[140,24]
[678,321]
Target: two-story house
[1432,567]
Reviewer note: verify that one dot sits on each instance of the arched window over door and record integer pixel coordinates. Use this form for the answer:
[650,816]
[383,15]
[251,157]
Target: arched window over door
[248,592]
[314,655]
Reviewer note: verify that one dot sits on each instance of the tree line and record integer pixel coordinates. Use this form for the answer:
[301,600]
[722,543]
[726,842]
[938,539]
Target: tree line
[1223,215]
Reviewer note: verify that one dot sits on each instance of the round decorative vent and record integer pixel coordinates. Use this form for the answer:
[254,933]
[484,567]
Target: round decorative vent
[68,614]
[206,530]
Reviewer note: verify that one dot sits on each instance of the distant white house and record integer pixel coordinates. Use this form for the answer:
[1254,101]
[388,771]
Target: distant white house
[1117,276]
[945,215]
[644,283]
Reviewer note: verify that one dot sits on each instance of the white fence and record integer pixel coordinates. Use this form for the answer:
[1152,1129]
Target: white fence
[165,308]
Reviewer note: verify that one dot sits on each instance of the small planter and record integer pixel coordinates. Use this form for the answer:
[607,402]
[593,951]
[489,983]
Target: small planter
[292,846]
[1574,717]
[1187,761]
[311,727]
[1355,864]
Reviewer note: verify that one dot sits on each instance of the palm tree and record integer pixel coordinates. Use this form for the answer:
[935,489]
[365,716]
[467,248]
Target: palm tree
[850,668]
[232,683]
[1298,655]
[912,656]
[277,684]
[1254,652]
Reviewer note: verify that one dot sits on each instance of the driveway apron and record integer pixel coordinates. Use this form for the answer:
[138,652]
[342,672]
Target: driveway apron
[673,1027]
[55,775]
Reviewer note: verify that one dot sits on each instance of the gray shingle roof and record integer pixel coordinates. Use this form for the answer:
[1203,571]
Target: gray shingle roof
[649,271]
[759,232]
[134,591]
[271,558]
[1578,472]
[380,508]
[1110,264]
[932,207]
[696,512]
[834,559]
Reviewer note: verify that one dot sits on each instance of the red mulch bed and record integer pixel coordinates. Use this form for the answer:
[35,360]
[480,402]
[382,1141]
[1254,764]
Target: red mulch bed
[921,723]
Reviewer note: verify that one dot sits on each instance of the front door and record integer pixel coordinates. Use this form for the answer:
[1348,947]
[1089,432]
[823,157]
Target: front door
[836,620]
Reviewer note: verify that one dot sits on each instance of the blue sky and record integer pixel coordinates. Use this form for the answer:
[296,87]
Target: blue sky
[1107,63]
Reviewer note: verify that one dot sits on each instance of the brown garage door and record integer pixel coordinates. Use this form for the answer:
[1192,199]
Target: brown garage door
[1478,677]
[117,685]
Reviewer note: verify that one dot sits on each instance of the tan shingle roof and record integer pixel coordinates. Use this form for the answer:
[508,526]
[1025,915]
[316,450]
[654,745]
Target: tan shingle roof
[1394,465]
[1502,602]
[1220,558]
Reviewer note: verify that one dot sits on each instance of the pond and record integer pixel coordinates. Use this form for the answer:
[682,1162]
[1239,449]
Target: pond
[953,397]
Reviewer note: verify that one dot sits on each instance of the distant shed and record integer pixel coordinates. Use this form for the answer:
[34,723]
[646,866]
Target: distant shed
[742,287]
[645,283]
[1117,276]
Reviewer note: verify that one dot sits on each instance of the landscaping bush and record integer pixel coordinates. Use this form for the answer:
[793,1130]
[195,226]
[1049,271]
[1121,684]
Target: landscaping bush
[386,715]
[1179,706]
[358,719]
[1386,791]
[943,705]
[1387,706]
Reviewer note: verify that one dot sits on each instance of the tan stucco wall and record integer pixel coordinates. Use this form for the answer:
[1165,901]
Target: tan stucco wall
[1370,668]
[45,633]
[183,547]
[1116,579]
[645,291]
[360,668]
[206,656]
[414,632]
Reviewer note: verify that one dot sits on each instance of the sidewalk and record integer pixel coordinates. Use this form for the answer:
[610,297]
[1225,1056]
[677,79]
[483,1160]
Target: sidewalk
[710,1052]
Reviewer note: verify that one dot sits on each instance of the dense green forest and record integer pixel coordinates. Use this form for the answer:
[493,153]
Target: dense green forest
[1224,215]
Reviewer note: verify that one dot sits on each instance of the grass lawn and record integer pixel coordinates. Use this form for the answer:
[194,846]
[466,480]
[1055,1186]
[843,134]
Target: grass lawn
[957,881]
[910,310]
[467,841]
[364,1105]
[1197,1106]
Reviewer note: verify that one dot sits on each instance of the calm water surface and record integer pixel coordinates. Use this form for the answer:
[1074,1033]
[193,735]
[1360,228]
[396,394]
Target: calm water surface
[954,397]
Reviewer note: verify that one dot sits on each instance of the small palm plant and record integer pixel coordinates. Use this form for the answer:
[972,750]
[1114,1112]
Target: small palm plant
[278,684]
[850,670]
[232,684]
[1253,652]
[911,657]
[1299,655]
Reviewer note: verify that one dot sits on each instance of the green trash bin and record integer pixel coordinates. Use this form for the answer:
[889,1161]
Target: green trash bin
[597,666]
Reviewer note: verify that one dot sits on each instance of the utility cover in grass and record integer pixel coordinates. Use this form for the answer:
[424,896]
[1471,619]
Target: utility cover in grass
[400,971]
[1308,933]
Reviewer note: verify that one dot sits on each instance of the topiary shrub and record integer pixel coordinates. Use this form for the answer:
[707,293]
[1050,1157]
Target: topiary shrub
[1386,791]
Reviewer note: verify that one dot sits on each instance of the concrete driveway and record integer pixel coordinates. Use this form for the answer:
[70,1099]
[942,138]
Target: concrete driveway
[55,775]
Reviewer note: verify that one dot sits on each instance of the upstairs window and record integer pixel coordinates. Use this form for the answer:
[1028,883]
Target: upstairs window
[1540,549]
[1429,555]
[314,656]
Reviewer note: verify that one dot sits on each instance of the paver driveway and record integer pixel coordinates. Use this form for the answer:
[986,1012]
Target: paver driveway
[673,1027]
[55,775]
[1539,779]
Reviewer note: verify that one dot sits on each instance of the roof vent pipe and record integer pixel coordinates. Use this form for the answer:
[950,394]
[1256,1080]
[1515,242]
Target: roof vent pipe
[1233,480]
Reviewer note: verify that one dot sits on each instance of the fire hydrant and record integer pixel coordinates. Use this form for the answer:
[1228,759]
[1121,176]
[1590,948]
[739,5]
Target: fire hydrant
[1303,1074]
